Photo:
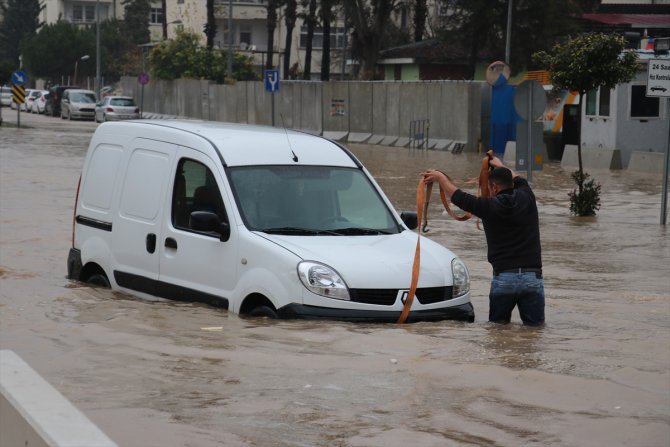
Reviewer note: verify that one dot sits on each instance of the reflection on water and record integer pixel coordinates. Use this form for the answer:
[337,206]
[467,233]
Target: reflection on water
[151,373]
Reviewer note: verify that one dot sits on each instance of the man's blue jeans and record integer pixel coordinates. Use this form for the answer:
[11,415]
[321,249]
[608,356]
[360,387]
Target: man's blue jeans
[524,290]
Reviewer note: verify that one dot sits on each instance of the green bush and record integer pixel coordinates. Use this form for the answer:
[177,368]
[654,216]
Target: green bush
[585,200]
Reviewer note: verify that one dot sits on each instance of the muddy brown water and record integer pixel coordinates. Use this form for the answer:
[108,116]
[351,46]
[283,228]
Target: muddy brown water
[176,374]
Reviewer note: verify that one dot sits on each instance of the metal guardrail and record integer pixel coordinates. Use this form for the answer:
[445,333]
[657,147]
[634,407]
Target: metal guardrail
[419,133]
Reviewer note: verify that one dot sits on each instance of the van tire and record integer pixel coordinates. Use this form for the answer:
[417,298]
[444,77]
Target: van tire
[264,311]
[100,280]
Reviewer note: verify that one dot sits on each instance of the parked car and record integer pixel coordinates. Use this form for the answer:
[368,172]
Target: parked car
[5,96]
[78,103]
[39,102]
[258,220]
[31,94]
[52,106]
[115,108]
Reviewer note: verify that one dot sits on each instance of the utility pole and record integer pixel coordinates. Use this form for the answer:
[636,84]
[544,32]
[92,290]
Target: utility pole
[229,71]
[508,36]
[97,50]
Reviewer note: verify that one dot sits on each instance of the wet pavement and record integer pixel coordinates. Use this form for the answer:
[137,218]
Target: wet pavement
[175,374]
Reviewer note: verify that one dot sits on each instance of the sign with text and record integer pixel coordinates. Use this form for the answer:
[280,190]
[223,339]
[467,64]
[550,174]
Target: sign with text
[658,80]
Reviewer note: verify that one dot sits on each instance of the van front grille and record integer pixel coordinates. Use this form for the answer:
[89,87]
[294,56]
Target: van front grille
[387,297]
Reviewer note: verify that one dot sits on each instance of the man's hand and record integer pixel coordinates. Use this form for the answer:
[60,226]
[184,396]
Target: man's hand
[439,177]
[496,162]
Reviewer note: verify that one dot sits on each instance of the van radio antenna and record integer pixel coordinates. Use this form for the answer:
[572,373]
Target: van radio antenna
[295,157]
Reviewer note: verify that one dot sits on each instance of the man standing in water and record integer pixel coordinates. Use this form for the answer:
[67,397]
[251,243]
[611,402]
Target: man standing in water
[512,233]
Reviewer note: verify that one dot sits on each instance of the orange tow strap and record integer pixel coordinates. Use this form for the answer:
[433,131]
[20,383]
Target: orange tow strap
[422,199]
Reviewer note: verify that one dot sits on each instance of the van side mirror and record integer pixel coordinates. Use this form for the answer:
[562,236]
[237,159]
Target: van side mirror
[410,219]
[210,222]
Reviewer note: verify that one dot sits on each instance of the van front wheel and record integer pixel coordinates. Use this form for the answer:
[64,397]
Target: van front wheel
[100,280]
[264,311]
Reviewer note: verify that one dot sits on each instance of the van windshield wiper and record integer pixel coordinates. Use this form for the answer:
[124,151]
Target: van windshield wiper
[356,231]
[299,231]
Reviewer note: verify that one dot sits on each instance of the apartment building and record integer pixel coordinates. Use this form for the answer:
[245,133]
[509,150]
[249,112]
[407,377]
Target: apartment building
[83,12]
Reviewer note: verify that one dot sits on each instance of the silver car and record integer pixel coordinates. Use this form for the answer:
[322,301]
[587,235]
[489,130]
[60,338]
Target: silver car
[116,108]
[78,103]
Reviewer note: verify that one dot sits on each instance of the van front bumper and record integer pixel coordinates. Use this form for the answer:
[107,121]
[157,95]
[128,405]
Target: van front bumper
[462,312]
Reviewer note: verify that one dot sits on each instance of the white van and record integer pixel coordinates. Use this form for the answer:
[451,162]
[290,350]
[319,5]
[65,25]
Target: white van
[258,220]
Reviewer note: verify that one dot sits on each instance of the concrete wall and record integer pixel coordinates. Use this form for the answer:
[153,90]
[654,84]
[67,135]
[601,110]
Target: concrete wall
[33,413]
[374,112]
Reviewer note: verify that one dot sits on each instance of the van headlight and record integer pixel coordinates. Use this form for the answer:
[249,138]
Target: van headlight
[322,280]
[461,277]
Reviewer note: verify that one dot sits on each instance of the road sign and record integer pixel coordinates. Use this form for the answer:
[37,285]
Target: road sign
[19,77]
[271,79]
[143,78]
[18,94]
[530,100]
[658,78]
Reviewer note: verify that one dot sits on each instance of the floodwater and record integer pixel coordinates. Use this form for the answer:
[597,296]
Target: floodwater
[175,374]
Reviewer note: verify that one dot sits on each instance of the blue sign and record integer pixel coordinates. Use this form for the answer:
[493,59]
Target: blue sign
[271,80]
[19,77]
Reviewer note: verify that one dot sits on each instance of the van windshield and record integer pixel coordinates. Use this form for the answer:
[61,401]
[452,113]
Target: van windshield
[310,200]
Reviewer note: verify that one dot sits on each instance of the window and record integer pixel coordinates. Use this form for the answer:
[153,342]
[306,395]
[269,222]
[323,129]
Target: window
[598,102]
[337,35]
[245,34]
[195,189]
[156,16]
[591,98]
[83,13]
[642,106]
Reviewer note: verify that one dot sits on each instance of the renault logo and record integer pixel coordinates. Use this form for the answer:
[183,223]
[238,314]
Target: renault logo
[403,297]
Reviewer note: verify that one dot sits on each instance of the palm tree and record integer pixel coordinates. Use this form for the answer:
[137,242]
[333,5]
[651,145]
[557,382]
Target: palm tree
[289,19]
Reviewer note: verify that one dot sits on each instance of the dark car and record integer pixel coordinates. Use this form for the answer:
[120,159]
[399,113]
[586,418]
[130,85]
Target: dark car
[52,106]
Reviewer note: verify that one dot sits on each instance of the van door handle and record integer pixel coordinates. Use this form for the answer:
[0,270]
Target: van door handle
[151,242]
[171,243]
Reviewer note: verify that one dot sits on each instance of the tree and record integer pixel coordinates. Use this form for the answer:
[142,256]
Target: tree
[136,18]
[310,21]
[210,26]
[479,28]
[326,16]
[273,5]
[372,31]
[290,17]
[183,57]
[420,14]
[583,64]
[52,53]
[20,20]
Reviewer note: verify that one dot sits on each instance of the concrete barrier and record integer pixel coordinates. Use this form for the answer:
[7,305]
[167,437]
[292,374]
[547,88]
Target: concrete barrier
[646,162]
[592,158]
[510,154]
[33,413]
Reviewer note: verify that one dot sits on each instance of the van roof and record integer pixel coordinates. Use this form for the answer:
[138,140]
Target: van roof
[245,144]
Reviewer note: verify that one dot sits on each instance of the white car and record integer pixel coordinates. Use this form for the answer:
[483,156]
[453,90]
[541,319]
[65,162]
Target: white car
[116,108]
[39,101]
[258,220]
[31,94]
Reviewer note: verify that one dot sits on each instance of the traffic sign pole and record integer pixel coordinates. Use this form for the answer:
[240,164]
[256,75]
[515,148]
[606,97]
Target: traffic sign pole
[666,164]
[658,85]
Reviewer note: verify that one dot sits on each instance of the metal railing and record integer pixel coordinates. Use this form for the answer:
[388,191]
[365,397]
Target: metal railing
[419,132]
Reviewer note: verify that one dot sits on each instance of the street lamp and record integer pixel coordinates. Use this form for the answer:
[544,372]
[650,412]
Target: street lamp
[76,64]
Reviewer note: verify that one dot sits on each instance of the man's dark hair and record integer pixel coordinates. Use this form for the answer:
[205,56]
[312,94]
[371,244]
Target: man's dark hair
[502,177]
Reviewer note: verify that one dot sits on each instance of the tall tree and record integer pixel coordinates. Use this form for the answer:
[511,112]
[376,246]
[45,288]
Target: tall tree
[420,15]
[210,25]
[290,16]
[326,15]
[310,21]
[53,52]
[583,64]
[20,20]
[272,7]
[372,32]
[480,26]
[136,19]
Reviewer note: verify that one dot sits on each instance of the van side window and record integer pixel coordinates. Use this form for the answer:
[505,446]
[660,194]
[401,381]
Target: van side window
[195,189]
